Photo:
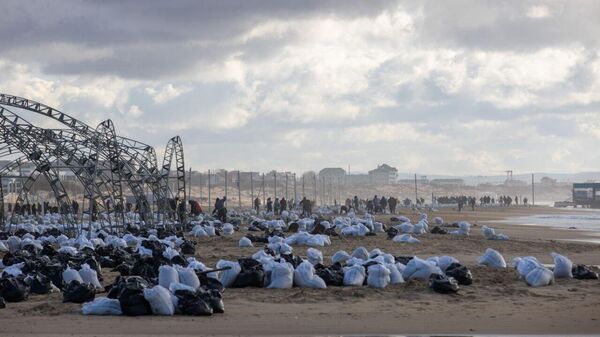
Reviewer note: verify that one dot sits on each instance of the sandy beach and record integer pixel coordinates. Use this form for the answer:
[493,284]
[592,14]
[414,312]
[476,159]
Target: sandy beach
[497,303]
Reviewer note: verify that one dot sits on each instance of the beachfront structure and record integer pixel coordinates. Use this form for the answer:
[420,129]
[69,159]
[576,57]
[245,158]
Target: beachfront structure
[106,164]
[332,172]
[586,195]
[383,174]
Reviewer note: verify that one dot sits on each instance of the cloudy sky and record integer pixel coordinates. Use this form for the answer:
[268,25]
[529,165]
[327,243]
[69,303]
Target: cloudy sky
[444,87]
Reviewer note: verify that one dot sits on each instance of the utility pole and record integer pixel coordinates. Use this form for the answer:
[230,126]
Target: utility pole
[239,183]
[275,184]
[190,186]
[226,178]
[209,192]
[286,186]
[295,195]
[532,190]
[252,189]
[303,193]
[263,190]
[416,194]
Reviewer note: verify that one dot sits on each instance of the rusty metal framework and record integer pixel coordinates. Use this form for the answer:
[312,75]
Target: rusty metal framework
[108,166]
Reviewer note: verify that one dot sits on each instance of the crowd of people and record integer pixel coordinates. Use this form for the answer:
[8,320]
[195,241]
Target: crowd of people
[486,200]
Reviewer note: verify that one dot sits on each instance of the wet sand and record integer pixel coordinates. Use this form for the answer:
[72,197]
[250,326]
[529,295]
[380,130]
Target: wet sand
[497,303]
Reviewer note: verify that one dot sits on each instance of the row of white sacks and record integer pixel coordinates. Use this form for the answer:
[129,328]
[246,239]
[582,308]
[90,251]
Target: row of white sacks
[530,269]
[385,270]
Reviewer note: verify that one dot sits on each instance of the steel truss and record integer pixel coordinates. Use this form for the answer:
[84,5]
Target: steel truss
[106,164]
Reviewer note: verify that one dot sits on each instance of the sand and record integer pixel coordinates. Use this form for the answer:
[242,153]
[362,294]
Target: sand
[497,303]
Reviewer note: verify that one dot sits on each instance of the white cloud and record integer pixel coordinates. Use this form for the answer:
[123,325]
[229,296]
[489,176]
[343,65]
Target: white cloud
[166,93]
[538,12]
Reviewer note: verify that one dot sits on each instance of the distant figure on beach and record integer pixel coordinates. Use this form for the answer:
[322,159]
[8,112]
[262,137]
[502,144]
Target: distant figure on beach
[283,204]
[221,210]
[472,202]
[356,204]
[392,202]
[460,205]
[516,200]
[383,204]
[257,205]
[306,207]
[525,201]
[269,205]
[276,206]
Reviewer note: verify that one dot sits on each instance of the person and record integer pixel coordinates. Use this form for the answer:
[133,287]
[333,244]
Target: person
[375,206]
[525,201]
[221,210]
[276,206]
[283,204]
[460,204]
[269,205]
[392,202]
[472,201]
[257,205]
[356,204]
[306,207]
[516,200]
[383,204]
[216,208]
[370,206]
[195,208]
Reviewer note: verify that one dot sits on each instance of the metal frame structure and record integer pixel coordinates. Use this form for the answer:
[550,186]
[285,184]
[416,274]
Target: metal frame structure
[107,165]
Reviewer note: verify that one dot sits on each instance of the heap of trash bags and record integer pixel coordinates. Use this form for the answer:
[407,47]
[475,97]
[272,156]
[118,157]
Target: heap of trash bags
[155,276]
[537,274]
[270,268]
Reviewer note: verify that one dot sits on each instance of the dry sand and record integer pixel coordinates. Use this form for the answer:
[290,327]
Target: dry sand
[497,303]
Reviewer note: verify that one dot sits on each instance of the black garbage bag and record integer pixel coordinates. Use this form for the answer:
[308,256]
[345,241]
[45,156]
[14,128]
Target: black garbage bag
[2,303]
[180,260]
[145,268]
[215,299]
[107,262]
[258,239]
[76,292]
[331,275]
[123,269]
[54,273]
[132,298]
[210,283]
[39,284]
[392,232]
[190,303]
[291,259]
[460,273]
[438,230]
[14,289]
[251,275]
[114,289]
[188,247]
[403,259]
[156,246]
[443,284]
[583,272]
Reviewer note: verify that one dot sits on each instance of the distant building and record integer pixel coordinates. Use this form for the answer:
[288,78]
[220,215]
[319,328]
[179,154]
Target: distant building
[383,174]
[451,182]
[332,172]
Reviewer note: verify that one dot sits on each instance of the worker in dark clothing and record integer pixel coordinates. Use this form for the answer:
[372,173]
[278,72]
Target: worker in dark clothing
[283,204]
[269,205]
[257,204]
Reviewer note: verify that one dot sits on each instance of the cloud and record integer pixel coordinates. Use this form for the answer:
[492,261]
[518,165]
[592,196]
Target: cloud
[455,87]
[538,12]
[167,93]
